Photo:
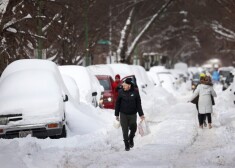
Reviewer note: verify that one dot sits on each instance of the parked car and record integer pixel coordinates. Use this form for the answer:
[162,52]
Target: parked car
[166,78]
[228,81]
[154,78]
[121,69]
[226,76]
[89,87]
[195,81]
[233,90]
[72,88]
[109,98]
[101,69]
[32,100]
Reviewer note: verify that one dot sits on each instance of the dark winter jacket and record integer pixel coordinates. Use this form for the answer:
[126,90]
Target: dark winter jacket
[128,102]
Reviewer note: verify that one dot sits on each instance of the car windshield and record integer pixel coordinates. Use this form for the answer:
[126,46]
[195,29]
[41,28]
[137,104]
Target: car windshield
[105,84]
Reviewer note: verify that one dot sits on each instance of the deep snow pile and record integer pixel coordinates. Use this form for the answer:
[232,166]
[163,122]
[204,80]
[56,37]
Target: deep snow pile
[175,139]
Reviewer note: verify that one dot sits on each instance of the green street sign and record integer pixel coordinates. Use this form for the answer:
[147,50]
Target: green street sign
[104,42]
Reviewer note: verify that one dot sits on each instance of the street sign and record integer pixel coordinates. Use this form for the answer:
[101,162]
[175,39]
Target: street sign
[104,42]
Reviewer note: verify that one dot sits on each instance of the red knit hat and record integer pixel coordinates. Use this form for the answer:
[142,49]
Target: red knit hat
[117,76]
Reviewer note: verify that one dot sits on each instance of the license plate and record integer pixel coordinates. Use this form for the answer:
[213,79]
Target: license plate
[25,133]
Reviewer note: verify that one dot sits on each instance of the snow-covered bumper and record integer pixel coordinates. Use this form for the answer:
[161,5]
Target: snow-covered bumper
[35,130]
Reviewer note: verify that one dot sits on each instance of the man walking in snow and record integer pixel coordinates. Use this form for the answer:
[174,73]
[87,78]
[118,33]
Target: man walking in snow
[127,105]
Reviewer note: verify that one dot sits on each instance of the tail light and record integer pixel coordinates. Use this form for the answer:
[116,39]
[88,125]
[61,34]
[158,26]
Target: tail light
[53,125]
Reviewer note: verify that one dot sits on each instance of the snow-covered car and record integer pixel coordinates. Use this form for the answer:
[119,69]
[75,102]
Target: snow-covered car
[122,69]
[166,78]
[226,76]
[72,88]
[101,69]
[195,81]
[154,78]
[232,89]
[88,85]
[32,100]
[141,76]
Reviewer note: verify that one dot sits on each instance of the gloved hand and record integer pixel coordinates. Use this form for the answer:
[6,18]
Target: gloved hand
[142,117]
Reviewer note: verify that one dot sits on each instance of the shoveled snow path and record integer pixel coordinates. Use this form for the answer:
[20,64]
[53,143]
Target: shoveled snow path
[208,150]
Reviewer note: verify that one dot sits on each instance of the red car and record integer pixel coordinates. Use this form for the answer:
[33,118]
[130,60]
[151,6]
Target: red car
[109,98]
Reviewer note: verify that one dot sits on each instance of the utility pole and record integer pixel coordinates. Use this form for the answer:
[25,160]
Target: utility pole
[87,59]
[39,29]
[136,53]
[110,34]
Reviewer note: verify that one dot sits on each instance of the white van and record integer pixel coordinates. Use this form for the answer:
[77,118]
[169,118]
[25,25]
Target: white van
[32,100]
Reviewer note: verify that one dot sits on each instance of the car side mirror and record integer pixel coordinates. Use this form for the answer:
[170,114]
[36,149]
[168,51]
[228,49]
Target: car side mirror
[94,93]
[66,98]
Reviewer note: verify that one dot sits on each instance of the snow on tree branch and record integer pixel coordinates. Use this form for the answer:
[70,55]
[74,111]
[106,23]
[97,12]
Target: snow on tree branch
[134,43]
[124,33]
[228,34]
[14,20]
[48,25]
[3,6]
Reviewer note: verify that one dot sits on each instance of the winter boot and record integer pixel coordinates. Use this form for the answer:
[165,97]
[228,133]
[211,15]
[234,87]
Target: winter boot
[127,146]
[210,126]
[131,141]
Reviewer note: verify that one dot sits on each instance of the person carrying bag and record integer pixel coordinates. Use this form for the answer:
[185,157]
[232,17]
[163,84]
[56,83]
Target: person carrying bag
[127,105]
[204,91]
[143,128]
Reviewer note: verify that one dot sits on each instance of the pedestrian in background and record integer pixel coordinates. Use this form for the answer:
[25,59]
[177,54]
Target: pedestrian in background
[195,100]
[116,85]
[215,76]
[205,92]
[127,105]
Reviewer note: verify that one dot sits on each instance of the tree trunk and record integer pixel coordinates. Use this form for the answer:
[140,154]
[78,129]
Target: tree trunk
[144,30]
[122,48]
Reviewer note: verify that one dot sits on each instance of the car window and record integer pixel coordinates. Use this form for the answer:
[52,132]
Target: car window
[105,84]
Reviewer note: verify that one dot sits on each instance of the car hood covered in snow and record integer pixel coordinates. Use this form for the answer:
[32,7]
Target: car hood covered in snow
[33,94]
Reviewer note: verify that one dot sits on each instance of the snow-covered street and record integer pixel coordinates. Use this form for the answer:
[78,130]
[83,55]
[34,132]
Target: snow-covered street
[80,80]
[175,141]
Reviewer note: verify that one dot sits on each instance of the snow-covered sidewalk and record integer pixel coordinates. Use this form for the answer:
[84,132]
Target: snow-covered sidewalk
[175,130]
